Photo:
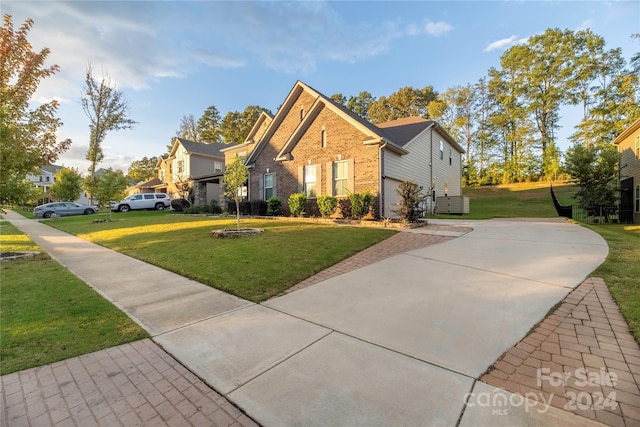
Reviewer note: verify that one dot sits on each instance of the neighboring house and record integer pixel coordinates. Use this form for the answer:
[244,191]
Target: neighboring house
[193,165]
[45,179]
[149,186]
[317,146]
[628,143]
[245,148]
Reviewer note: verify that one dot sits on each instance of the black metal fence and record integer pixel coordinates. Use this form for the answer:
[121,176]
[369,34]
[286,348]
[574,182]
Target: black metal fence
[613,214]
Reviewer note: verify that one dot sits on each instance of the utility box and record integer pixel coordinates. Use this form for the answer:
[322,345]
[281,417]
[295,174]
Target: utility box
[452,205]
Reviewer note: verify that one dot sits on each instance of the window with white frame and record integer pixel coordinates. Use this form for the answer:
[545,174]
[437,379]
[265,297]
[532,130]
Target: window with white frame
[340,178]
[268,186]
[638,147]
[217,166]
[450,157]
[441,150]
[180,166]
[310,180]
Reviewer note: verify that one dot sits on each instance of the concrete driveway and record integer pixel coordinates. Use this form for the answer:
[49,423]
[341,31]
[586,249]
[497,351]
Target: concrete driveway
[398,342]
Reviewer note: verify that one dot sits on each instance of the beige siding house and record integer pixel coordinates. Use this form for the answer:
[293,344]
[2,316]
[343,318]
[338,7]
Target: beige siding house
[628,143]
[317,146]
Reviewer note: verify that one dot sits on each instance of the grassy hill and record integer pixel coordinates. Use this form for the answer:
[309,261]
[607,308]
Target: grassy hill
[517,200]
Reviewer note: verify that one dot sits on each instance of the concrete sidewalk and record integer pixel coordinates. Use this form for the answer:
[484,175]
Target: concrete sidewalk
[400,341]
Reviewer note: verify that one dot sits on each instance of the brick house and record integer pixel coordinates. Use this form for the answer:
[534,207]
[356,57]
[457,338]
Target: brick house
[319,147]
[628,143]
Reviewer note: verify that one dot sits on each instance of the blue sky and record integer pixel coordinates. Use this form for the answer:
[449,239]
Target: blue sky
[174,58]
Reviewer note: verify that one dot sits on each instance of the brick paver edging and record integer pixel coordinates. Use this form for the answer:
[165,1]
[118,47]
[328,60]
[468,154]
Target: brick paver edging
[132,384]
[582,357]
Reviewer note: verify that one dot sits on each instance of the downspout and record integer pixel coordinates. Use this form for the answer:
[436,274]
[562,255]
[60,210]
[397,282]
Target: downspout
[382,178]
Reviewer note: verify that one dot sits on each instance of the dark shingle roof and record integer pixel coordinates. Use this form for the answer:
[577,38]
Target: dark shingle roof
[401,131]
[212,149]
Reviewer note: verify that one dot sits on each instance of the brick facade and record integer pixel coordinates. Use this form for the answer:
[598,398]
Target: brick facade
[343,142]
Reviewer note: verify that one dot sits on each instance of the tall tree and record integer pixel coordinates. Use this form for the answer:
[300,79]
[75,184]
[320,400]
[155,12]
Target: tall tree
[188,129]
[209,123]
[360,104]
[107,110]
[143,169]
[28,135]
[635,59]
[406,102]
[339,98]
[237,125]
[67,185]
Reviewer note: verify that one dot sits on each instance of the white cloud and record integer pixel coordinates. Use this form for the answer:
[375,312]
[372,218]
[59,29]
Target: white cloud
[504,44]
[435,29]
[585,25]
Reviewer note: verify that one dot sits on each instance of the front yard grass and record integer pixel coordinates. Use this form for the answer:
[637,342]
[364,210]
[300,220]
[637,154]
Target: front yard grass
[255,268]
[47,314]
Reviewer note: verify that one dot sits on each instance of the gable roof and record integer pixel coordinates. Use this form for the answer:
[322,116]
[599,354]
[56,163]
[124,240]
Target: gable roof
[211,150]
[628,131]
[404,130]
[53,169]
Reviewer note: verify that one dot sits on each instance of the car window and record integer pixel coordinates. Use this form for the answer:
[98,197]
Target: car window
[137,197]
[148,196]
[161,196]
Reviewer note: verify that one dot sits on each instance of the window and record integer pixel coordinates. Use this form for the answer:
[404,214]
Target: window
[446,188]
[450,160]
[217,166]
[180,166]
[340,178]
[301,113]
[161,196]
[310,180]
[48,178]
[148,196]
[638,198]
[323,138]
[441,150]
[268,186]
[137,197]
[638,147]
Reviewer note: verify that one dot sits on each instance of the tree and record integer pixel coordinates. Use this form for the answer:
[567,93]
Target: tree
[67,184]
[109,185]
[361,103]
[107,110]
[188,129]
[635,59]
[20,191]
[143,169]
[411,198]
[339,98]
[209,126]
[406,102]
[236,125]
[28,135]
[593,168]
[235,179]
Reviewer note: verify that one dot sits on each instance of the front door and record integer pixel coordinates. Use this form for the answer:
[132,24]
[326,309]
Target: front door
[626,201]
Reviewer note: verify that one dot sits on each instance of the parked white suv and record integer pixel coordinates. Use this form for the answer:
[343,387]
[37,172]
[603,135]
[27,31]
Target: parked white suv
[158,201]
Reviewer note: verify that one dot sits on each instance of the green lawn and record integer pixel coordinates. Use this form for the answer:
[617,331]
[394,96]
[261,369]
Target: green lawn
[48,314]
[256,267]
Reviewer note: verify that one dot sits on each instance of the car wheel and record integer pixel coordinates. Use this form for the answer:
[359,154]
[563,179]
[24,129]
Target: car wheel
[88,211]
[124,208]
[159,206]
[47,215]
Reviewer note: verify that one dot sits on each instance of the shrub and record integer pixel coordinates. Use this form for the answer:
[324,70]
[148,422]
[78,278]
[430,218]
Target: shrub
[410,199]
[297,204]
[258,207]
[180,204]
[274,206]
[215,208]
[327,205]
[245,207]
[360,204]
